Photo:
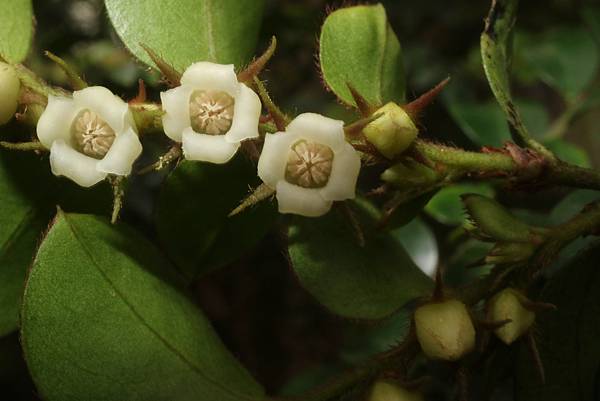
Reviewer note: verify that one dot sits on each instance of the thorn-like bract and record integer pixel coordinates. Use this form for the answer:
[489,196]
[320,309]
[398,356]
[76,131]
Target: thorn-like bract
[256,66]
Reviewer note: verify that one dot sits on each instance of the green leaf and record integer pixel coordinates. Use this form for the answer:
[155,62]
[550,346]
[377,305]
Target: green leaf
[496,48]
[569,152]
[185,31]
[21,223]
[567,337]
[192,215]
[572,204]
[29,194]
[16,29]
[460,270]
[369,282]
[482,122]
[363,342]
[104,318]
[358,47]
[447,207]
[591,16]
[566,58]
[420,244]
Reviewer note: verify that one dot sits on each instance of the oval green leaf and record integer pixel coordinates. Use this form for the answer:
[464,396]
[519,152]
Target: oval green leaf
[16,29]
[103,318]
[21,224]
[182,32]
[193,209]
[369,282]
[358,47]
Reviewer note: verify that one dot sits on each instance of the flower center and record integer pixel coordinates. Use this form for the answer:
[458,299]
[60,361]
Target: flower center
[93,136]
[211,111]
[309,164]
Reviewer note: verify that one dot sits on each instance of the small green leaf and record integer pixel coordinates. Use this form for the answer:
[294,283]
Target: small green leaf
[369,282]
[482,122]
[447,207]
[185,31]
[496,54]
[21,224]
[566,58]
[16,29]
[363,342]
[494,221]
[104,318]
[569,152]
[496,42]
[420,244]
[572,204]
[567,337]
[193,210]
[358,47]
[591,16]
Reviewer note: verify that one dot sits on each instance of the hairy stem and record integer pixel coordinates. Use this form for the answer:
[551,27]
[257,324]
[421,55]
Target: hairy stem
[500,163]
[585,223]
[24,146]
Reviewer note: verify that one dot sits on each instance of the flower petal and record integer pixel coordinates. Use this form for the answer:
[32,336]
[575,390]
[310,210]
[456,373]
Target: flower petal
[109,107]
[303,201]
[208,148]
[176,105]
[207,75]
[55,122]
[121,155]
[274,157]
[246,114]
[68,162]
[344,173]
[320,129]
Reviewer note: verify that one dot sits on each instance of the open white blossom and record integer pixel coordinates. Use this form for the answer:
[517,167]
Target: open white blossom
[89,135]
[310,165]
[210,113]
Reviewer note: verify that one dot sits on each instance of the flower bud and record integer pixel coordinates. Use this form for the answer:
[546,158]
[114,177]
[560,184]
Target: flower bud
[386,391]
[409,173]
[9,92]
[507,304]
[445,330]
[510,253]
[493,221]
[393,132]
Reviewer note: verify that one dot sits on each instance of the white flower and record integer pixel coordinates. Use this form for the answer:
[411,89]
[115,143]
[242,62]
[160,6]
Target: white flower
[89,136]
[210,113]
[310,165]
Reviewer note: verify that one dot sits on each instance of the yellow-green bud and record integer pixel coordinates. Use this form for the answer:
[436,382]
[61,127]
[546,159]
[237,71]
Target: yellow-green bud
[445,330]
[9,92]
[505,305]
[510,252]
[410,173]
[386,391]
[393,132]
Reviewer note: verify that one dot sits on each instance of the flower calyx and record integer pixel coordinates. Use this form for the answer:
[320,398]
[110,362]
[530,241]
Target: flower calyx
[10,86]
[489,221]
[509,304]
[385,390]
[445,329]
